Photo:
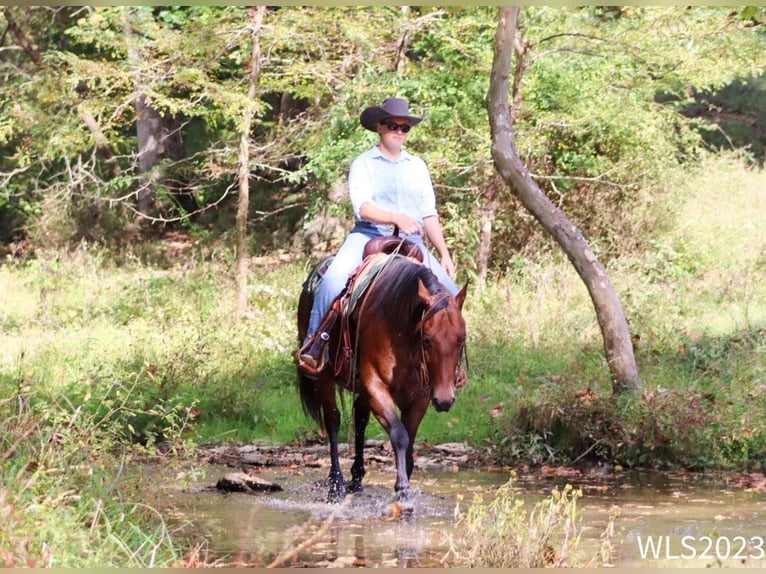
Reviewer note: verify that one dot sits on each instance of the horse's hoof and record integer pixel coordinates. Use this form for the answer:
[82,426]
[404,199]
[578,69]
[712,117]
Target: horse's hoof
[354,486]
[405,500]
[333,498]
[336,494]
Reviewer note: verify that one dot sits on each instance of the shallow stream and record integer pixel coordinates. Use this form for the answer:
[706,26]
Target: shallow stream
[663,519]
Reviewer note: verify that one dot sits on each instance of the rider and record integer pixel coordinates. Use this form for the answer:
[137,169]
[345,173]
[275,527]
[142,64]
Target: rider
[389,188]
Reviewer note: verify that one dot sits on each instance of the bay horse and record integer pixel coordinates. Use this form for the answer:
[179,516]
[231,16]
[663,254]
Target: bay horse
[407,338]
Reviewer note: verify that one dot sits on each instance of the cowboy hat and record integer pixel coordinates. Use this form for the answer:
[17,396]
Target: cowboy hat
[390,108]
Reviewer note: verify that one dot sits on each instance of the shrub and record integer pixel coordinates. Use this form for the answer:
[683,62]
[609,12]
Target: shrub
[503,534]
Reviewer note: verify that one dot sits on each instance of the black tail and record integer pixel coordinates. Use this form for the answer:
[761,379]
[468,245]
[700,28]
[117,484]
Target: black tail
[312,405]
[308,386]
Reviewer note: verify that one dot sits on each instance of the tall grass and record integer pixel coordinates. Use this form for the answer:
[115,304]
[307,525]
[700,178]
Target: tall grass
[60,495]
[506,533]
[162,340]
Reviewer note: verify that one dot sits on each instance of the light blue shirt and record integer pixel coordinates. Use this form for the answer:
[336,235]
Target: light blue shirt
[403,186]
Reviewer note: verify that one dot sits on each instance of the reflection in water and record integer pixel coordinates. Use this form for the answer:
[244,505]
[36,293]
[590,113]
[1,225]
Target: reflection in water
[663,519]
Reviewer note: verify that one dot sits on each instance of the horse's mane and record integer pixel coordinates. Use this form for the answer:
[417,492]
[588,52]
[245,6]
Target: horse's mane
[394,294]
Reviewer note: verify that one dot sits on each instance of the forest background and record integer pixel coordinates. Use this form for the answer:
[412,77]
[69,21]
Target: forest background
[122,132]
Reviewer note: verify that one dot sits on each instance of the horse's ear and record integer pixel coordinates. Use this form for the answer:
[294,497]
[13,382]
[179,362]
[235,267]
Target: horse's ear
[461,296]
[423,293]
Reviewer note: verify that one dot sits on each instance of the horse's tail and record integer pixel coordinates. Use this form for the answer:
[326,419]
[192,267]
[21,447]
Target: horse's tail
[308,386]
[310,398]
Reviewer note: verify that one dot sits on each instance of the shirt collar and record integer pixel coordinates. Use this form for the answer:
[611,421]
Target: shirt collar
[376,153]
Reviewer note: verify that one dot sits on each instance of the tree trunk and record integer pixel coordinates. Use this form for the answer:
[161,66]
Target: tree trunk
[26,44]
[149,134]
[400,59]
[102,144]
[148,130]
[243,202]
[488,208]
[614,327]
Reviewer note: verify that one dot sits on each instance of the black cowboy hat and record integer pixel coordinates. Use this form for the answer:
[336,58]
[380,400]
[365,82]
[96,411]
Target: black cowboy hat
[390,108]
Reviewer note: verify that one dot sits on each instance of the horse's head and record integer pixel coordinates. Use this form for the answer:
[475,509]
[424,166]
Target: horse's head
[443,339]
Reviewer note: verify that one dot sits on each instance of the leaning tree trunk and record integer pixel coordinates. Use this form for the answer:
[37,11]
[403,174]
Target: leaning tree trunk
[243,202]
[31,50]
[614,327]
[84,224]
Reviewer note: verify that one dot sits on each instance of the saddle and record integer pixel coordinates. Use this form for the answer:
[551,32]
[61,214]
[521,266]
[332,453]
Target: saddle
[391,244]
[312,357]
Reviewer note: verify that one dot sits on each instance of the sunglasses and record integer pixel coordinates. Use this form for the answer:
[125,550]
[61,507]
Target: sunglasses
[393,126]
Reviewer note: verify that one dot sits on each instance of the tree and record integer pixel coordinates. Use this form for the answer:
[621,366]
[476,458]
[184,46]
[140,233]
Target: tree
[597,138]
[243,203]
[614,327]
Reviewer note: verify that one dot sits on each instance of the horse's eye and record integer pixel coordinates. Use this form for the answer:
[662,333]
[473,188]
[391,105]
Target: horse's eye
[427,342]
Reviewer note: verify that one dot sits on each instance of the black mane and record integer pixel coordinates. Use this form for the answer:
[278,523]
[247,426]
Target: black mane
[394,292]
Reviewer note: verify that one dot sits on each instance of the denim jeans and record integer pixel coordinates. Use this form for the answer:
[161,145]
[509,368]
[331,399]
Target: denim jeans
[348,258]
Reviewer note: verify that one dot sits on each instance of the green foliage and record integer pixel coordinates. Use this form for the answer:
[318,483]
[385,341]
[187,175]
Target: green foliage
[61,498]
[504,534]
[703,410]
[597,121]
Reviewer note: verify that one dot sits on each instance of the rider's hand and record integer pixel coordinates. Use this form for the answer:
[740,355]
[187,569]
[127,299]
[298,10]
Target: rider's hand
[448,265]
[408,225]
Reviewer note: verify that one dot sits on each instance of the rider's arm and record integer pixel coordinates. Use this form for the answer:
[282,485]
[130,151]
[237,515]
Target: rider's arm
[433,231]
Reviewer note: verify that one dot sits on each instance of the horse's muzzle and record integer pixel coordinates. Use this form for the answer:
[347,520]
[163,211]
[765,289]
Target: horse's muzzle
[442,406]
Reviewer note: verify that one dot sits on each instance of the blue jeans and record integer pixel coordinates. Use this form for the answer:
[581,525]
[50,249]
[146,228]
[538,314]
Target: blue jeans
[348,258]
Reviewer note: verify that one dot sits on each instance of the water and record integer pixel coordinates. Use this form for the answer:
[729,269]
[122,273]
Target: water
[664,519]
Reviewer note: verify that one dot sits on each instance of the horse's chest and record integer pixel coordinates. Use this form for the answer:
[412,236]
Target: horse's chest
[408,384]
[398,362]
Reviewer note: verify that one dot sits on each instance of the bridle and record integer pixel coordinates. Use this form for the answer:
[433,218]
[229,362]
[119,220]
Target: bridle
[441,304]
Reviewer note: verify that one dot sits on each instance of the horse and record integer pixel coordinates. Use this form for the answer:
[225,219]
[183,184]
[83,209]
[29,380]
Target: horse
[406,339]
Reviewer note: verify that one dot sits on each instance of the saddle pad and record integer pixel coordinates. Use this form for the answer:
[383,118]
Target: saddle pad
[363,277]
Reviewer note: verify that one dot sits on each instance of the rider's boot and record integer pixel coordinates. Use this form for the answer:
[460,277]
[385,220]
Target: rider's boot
[312,357]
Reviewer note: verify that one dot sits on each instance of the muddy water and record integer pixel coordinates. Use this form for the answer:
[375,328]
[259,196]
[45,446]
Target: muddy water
[666,520]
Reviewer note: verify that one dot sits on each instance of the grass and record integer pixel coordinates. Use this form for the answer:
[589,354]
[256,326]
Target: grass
[61,502]
[165,341]
[96,357]
[505,533]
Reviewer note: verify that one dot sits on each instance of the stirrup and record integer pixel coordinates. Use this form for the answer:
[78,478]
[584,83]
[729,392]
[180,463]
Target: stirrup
[312,357]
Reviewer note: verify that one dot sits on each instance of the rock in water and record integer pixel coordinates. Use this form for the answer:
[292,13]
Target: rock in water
[242,482]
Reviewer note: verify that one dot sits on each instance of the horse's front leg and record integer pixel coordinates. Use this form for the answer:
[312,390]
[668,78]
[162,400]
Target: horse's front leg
[361,418]
[400,441]
[383,407]
[411,418]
